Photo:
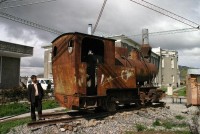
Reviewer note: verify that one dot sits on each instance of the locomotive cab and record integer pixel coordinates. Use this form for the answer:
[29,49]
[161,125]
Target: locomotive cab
[92,53]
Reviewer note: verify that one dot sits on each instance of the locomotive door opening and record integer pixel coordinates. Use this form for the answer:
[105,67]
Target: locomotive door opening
[92,52]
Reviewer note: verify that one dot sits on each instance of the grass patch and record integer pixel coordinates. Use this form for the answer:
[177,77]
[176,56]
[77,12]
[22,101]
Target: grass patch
[179,117]
[170,125]
[21,108]
[5,127]
[182,92]
[13,109]
[164,88]
[49,104]
[140,127]
[156,123]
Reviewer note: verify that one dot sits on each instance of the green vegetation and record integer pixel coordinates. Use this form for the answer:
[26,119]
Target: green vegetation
[49,104]
[182,92]
[140,127]
[170,124]
[156,123]
[167,124]
[13,109]
[6,126]
[183,72]
[179,117]
[21,108]
[164,88]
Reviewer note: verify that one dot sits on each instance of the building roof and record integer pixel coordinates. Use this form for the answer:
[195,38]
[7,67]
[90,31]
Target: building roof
[83,34]
[194,71]
[15,50]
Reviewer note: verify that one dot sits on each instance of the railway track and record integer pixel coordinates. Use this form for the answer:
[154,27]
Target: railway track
[67,117]
[59,118]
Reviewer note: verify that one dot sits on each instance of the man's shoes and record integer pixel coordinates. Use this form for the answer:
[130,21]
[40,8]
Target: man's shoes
[41,118]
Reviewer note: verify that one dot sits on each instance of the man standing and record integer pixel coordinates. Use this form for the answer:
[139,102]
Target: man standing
[35,95]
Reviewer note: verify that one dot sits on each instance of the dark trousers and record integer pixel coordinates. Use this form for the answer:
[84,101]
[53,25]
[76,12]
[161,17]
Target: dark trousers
[37,104]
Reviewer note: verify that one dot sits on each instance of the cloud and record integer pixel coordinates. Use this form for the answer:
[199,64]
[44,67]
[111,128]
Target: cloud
[28,71]
[119,17]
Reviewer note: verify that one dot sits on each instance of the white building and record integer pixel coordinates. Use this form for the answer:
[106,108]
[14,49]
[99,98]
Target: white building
[169,73]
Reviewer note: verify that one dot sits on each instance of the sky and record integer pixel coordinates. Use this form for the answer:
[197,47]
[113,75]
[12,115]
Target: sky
[119,17]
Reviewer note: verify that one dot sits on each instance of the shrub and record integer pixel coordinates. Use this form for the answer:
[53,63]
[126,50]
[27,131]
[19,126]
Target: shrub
[140,127]
[156,123]
[13,95]
[168,125]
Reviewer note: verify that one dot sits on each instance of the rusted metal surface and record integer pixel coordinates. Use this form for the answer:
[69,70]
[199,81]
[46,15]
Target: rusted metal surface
[115,77]
[193,90]
[146,50]
[86,67]
[70,73]
[145,71]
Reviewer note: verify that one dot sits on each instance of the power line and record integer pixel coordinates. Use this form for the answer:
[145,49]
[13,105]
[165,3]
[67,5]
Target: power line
[166,32]
[29,23]
[171,13]
[167,13]
[171,31]
[3,1]
[32,3]
[99,17]
[6,1]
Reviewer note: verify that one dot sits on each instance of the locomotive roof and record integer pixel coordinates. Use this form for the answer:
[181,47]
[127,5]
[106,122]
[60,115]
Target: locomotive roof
[83,34]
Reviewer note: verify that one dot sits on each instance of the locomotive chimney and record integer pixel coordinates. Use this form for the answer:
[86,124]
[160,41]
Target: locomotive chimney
[145,47]
[145,36]
[90,29]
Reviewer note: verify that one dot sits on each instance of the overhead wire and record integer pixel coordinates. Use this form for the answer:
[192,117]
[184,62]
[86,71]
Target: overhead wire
[32,3]
[99,16]
[29,23]
[8,1]
[3,1]
[166,32]
[173,17]
[171,12]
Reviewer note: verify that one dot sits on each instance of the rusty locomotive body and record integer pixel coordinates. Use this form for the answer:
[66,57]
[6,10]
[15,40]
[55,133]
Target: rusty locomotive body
[90,71]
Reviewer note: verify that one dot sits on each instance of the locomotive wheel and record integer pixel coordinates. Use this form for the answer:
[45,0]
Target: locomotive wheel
[110,104]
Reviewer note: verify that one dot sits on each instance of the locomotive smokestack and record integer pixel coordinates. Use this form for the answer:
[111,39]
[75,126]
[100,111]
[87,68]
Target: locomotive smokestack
[90,29]
[145,47]
[145,36]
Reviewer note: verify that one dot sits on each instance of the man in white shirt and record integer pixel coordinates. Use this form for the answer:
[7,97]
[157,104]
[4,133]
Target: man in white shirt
[35,95]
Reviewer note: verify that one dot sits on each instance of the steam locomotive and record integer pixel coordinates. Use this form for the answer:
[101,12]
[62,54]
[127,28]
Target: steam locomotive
[91,72]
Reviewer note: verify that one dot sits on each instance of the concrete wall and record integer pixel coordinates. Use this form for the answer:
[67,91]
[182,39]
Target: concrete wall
[10,72]
[47,64]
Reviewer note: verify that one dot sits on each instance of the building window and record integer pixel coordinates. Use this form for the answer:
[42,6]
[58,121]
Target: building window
[172,78]
[172,63]
[163,63]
